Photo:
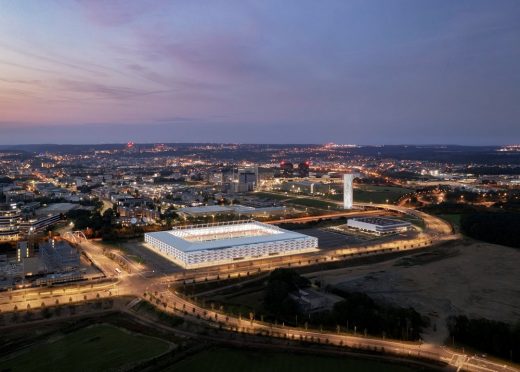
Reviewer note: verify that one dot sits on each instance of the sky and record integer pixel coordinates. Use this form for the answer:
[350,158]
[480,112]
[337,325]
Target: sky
[266,71]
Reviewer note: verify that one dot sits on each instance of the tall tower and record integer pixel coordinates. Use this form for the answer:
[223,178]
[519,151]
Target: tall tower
[348,192]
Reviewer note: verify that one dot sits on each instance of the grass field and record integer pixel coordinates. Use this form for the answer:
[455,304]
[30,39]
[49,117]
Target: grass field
[375,194]
[313,203]
[268,195]
[306,202]
[378,194]
[236,360]
[362,194]
[95,348]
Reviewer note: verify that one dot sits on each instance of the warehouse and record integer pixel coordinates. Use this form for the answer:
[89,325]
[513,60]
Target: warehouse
[218,243]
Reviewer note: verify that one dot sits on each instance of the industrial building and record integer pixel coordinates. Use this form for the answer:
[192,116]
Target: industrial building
[211,244]
[378,225]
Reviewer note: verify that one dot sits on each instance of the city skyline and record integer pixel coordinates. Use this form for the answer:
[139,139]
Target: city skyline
[79,72]
[239,185]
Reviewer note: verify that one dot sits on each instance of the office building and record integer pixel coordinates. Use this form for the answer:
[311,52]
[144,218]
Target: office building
[9,223]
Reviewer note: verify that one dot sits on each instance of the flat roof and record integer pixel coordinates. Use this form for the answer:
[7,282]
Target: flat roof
[380,221]
[59,207]
[206,209]
[169,238]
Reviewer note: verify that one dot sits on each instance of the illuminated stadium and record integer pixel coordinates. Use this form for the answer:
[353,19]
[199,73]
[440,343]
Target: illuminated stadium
[212,244]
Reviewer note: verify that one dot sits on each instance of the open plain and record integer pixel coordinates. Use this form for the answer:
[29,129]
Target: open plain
[464,277]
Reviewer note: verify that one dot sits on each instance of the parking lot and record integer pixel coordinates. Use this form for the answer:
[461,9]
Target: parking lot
[331,240]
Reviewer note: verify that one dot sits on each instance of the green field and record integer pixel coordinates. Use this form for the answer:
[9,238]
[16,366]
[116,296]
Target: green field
[313,203]
[362,194]
[236,360]
[375,194]
[268,195]
[378,194]
[292,199]
[94,348]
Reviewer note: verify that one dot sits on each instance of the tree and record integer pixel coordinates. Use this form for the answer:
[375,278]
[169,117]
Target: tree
[280,284]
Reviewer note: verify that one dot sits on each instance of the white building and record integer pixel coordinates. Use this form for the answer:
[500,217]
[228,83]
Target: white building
[348,192]
[379,225]
[218,243]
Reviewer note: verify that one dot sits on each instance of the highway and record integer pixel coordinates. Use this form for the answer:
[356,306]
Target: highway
[172,302]
[329,216]
[158,290]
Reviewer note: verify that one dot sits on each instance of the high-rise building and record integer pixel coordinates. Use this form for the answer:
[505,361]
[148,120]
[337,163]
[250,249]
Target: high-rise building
[348,192]
[247,179]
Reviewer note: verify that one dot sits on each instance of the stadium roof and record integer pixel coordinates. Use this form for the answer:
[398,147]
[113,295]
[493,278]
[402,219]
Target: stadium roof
[190,246]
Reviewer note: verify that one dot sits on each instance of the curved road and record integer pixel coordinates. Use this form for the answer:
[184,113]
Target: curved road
[156,291]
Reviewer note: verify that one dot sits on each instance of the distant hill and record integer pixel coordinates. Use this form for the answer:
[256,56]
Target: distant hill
[438,153]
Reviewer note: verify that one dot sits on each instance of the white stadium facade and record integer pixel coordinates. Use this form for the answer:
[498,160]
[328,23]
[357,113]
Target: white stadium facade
[218,243]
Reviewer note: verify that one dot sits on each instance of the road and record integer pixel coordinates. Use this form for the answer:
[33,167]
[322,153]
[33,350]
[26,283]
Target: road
[329,216]
[155,288]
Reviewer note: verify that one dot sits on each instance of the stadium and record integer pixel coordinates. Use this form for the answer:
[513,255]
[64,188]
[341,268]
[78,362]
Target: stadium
[212,244]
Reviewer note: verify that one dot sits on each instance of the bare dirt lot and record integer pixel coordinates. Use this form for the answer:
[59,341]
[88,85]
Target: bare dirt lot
[467,277]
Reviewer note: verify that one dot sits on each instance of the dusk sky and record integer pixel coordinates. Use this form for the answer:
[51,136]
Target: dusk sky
[365,72]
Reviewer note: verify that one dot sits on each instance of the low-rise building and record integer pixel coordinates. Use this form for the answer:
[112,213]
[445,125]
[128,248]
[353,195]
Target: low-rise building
[379,225]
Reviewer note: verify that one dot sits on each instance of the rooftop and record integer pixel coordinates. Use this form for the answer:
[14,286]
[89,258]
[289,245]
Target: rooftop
[379,221]
[206,209]
[223,235]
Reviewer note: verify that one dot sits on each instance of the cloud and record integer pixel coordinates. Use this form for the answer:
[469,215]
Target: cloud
[113,13]
[181,85]
[217,55]
[21,81]
[103,90]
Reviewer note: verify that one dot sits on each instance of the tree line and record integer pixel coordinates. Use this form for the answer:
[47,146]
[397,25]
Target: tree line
[496,228]
[357,312]
[488,336]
